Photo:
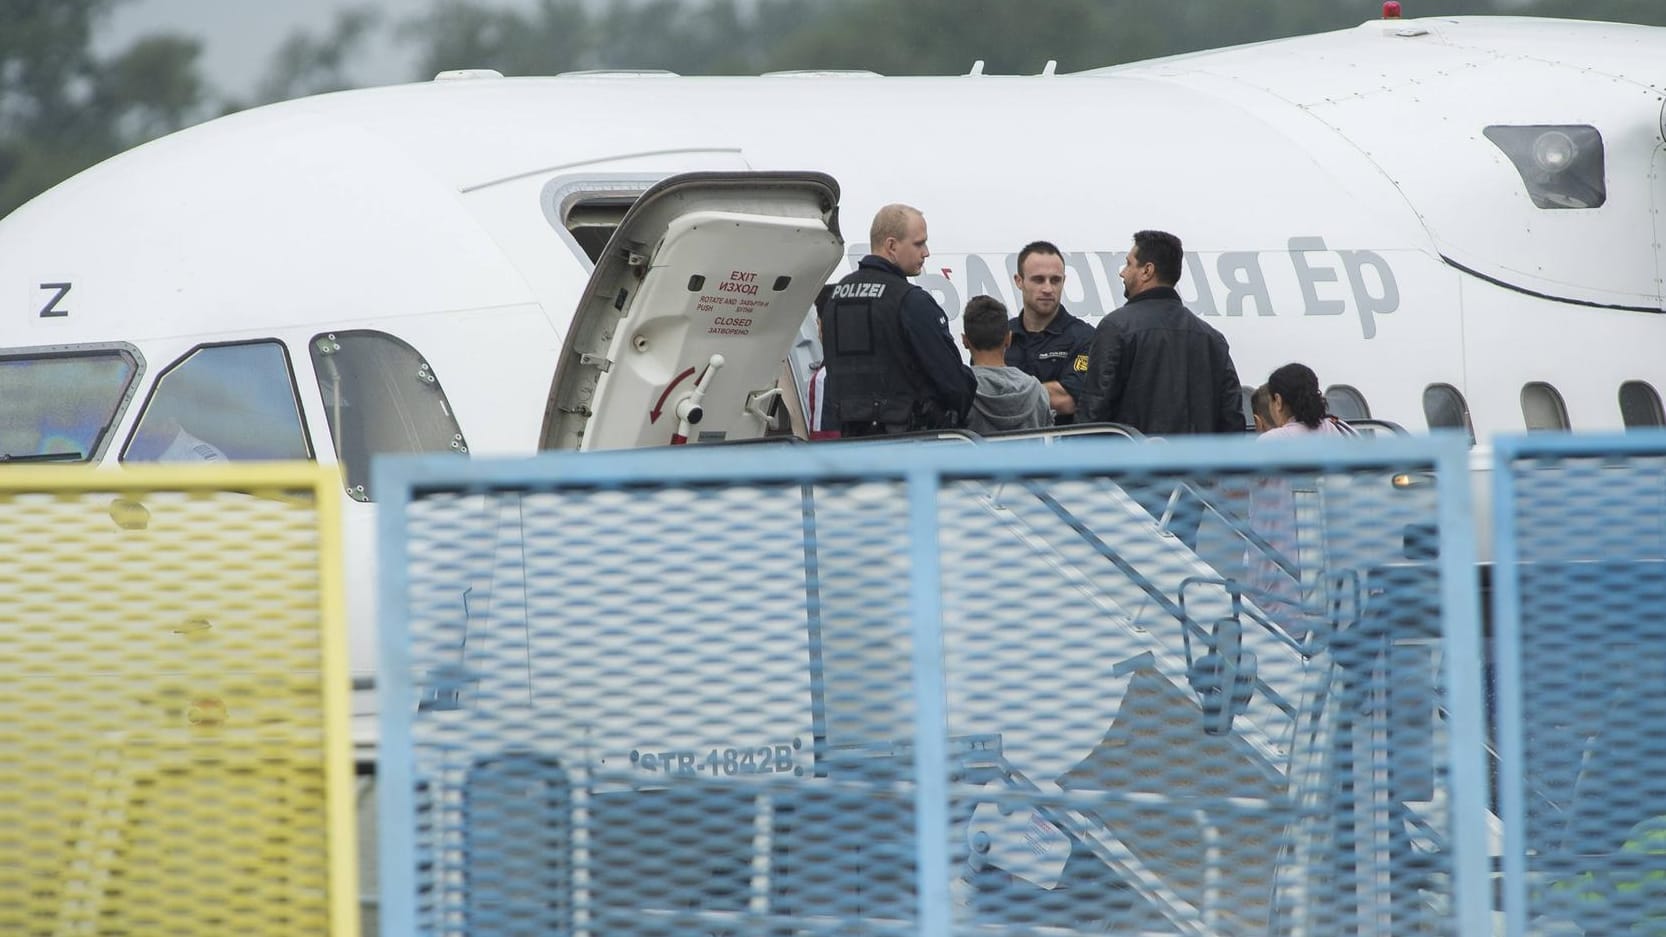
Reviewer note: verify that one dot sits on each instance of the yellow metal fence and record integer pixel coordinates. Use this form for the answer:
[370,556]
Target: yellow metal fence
[173,746]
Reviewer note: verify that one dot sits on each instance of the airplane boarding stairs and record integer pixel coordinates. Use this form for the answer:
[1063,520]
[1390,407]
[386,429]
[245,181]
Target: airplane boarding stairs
[1088,533]
[1088,788]
[1238,839]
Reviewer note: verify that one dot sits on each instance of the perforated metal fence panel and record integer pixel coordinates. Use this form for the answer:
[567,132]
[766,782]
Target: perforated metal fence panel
[1580,655]
[1090,687]
[174,756]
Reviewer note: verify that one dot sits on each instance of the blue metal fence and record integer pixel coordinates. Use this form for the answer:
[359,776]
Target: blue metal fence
[1580,656]
[1207,687]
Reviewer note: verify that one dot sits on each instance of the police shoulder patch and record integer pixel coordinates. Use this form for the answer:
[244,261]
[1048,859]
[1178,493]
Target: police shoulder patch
[1081,363]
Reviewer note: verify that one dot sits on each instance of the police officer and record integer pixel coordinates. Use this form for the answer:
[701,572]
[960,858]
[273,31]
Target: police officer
[1047,341]
[892,366]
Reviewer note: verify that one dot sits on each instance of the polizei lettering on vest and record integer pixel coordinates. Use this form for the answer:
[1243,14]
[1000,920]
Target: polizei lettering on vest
[859,291]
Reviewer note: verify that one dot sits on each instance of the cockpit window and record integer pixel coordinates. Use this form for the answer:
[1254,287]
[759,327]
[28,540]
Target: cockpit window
[222,403]
[1562,165]
[59,406]
[380,396]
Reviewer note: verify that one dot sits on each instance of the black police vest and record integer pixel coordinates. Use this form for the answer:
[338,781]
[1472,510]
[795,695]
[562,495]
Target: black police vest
[872,377]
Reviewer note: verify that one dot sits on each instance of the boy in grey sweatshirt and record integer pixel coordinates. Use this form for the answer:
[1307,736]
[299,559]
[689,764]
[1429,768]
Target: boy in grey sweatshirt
[1007,397]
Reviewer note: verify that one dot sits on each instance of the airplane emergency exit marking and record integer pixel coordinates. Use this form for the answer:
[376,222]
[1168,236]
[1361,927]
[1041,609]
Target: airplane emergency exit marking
[51,310]
[740,281]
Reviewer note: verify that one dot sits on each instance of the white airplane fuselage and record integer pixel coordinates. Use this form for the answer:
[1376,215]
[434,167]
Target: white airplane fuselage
[1338,195]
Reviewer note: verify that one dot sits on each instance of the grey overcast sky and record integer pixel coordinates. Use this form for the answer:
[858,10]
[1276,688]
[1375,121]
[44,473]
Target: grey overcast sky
[239,36]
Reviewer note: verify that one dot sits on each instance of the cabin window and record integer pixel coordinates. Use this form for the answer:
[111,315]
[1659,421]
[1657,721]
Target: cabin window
[1542,407]
[60,405]
[380,396]
[1561,165]
[1444,408]
[1346,403]
[222,403]
[1640,405]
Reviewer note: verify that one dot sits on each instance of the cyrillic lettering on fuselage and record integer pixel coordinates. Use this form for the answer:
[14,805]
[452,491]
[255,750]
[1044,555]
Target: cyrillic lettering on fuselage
[1307,278]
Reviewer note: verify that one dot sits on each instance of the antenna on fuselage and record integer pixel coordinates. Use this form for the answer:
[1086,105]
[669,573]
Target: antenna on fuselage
[977,68]
[467,74]
[1051,67]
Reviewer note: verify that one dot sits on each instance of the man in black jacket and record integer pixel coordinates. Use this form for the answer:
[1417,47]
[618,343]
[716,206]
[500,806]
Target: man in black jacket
[1159,368]
[892,365]
[1154,364]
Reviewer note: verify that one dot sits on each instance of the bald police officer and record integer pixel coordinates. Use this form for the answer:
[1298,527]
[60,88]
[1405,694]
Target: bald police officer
[892,366]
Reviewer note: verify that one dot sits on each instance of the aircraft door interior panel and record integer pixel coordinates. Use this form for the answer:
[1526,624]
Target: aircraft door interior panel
[694,305]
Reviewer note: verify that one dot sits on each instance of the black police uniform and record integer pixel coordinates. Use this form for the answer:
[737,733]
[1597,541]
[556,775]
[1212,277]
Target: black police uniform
[1057,353]
[892,365]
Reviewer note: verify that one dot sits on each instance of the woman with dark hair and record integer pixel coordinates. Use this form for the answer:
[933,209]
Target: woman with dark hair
[1298,409]
[1298,406]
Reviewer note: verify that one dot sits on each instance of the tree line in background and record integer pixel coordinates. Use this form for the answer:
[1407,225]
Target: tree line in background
[64,107]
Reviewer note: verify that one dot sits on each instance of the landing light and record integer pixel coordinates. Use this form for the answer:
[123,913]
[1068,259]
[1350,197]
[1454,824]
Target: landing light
[1561,165]
[1554,151]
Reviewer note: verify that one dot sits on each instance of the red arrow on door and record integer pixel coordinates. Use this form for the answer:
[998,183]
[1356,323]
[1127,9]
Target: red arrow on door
[659,406]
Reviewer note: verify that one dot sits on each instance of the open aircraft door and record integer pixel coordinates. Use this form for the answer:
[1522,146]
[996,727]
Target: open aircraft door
[691,311]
